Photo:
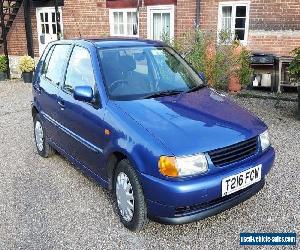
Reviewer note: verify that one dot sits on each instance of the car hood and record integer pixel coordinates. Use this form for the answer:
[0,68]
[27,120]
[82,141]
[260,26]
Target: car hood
[194,122]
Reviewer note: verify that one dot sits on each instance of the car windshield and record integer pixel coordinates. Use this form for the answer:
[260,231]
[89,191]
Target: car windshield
[146,72]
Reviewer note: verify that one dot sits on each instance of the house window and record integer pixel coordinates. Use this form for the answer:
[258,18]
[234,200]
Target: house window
[123,22]
[160,22]
[234,20]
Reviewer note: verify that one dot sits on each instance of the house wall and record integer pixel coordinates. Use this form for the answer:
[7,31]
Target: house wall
[89,22]
[90,19]
[185,16]
[274,25]
[16,37]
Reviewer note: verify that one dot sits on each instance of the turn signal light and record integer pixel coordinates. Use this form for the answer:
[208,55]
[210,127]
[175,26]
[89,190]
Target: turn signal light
[167,166]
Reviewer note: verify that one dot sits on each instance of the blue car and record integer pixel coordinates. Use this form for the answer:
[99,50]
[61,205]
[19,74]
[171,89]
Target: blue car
[137,118]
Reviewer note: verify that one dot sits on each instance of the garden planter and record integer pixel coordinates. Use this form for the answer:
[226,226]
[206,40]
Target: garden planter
[3,76]
[27,77]
[234,84]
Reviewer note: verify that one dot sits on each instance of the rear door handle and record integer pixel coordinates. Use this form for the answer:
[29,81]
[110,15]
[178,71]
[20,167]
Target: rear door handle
[61,104]
[37,88]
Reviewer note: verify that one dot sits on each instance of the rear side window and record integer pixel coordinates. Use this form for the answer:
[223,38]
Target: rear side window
[47,59]
[56,65]
[80,70]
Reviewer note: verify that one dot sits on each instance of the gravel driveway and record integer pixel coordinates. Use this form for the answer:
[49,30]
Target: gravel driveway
[48,204]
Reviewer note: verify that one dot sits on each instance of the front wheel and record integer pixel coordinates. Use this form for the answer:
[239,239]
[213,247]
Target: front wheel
[43,147]
[131,205]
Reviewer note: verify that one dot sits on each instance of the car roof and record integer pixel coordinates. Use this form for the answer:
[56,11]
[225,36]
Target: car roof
[104,43]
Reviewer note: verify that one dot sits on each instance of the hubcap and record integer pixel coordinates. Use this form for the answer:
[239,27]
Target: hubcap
[39,136]
[125,199]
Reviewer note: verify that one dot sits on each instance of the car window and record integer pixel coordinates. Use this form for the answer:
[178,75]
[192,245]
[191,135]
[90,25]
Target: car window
[139,72]
[80,70]
[171,71]
[56,65]
[47,59]
[130,71]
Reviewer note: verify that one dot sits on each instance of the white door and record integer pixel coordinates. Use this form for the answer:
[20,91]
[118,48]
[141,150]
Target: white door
[160,22]
[46,26]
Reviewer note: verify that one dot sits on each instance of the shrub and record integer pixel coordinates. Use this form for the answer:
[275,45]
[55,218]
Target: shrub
[245,72]
[26,64]
[3,63]
[294,67]
[217,60]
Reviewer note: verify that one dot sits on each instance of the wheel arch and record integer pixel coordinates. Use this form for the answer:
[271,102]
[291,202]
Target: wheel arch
[112,162]
[34,111]
[113,159]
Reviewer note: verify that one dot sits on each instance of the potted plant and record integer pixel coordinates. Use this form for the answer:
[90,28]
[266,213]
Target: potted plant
[294,70]
[3,68]
[234,84]
[26,65]
[241,72]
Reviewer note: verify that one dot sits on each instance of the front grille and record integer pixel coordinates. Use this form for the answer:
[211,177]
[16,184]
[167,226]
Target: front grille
[234,153]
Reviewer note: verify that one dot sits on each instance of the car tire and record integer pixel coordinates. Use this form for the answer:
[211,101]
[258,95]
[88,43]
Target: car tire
[138,219]
[41,140]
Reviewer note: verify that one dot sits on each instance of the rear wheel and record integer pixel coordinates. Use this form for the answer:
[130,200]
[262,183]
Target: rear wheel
[40,135]
[130,201]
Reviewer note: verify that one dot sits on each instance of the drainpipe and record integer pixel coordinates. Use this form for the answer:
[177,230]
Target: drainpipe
[136,29]
[28,28]
[4,37]
[198,13]
[58,28]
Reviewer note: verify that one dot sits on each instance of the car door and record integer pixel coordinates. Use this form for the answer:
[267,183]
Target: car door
[83,122]
[47,87]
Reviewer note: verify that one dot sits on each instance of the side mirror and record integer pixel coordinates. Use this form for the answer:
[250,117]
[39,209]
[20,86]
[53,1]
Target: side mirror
[83,93]
[202,77]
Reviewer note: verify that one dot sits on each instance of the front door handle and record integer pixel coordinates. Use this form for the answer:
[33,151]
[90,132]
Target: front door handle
[61,104]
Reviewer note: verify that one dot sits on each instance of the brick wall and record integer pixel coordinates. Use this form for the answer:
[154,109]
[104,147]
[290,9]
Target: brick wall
[185,16]
[274,25]
[90,18]
[275,15]
[280,42]
[16,38]
[143,22]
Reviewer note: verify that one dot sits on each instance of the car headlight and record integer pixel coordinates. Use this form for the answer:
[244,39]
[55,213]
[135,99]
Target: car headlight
[182,166]
[264,140]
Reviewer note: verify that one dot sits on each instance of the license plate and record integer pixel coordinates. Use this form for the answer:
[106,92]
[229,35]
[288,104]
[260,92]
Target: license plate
[240,181]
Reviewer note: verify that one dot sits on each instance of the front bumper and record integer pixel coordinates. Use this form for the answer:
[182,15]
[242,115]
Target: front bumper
[178,202]
[213,207]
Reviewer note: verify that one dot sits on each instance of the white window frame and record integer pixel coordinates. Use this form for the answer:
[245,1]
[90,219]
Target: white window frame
[39,29]
[124,11]
[160,9]
[234,4]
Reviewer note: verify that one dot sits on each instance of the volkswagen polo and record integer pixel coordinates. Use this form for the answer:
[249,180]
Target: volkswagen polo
[137,118]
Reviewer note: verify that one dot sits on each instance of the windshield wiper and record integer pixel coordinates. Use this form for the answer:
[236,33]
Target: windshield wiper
[196,88]
[163,93]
